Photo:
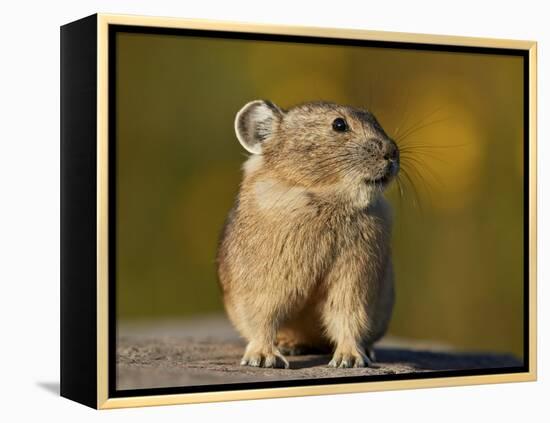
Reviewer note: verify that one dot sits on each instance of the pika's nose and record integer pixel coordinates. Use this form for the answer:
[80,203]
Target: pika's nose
[392,152]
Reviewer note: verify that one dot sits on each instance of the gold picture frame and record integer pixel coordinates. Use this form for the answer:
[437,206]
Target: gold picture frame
[91,386]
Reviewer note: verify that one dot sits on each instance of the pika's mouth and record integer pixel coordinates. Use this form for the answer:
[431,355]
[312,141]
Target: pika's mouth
[386,178]
[382,180]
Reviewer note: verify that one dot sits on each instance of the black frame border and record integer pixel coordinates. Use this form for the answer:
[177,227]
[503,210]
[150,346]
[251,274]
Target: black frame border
[113,29]
[78,211]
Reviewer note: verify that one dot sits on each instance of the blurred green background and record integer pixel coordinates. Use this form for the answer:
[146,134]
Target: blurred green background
[457,236]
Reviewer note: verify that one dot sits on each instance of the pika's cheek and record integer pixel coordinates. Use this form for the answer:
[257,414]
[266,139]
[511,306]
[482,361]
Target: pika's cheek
[273,196]
[372,168]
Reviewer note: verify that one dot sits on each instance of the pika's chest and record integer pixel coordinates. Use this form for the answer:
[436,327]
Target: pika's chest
[294,225]
[313,234]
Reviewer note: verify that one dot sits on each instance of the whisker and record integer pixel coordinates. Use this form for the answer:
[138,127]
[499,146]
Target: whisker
[415,199]
[429,154]
[418,128]
[434,146]
[422,120]
[421,179]
[424,166]
[404,116]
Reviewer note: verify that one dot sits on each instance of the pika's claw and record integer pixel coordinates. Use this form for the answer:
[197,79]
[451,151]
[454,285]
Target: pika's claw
[349,359]
[271,359]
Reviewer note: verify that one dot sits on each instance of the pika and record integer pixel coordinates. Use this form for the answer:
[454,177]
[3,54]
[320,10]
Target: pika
[304,258]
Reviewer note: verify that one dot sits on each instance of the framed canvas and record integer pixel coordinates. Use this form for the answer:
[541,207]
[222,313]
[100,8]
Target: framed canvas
[256,211]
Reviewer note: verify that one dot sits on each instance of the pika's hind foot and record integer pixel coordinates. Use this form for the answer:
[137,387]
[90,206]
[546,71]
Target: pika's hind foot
[264,357]
[301,349]
[291,348]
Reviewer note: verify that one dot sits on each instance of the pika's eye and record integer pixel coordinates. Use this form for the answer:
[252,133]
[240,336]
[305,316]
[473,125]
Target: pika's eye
[340,125]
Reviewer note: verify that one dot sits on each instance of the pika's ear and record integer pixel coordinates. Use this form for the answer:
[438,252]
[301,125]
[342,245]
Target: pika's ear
[255,123]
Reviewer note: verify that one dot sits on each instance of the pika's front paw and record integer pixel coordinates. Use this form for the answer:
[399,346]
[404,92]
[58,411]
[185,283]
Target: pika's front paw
[349,358]
[269,359]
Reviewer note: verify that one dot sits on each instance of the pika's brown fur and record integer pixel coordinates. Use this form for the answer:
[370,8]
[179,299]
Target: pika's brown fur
[304,259]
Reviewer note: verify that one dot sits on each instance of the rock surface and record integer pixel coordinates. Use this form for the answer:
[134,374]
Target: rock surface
[208,351]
